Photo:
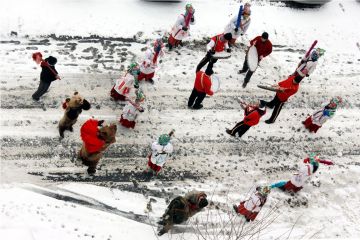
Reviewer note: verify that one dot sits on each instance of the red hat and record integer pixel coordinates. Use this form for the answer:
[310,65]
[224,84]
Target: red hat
[35,55]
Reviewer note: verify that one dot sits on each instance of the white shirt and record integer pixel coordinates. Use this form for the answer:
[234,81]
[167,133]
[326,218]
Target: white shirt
[148,66]
[303,174]
[160,153]
[253,204]
[307,67]
[130,112]
[230,27]
[124,84]
[177,31]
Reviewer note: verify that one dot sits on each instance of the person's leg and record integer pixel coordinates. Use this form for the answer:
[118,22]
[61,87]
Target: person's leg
[245,66]
[247,78]
[272,103]
[192,97]
[43,87]
[210,66]
[199,100]
[275,113]
[233,131]
[203,62]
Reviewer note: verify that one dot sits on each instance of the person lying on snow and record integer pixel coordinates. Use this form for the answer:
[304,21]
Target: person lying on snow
[296,183]
[315,121]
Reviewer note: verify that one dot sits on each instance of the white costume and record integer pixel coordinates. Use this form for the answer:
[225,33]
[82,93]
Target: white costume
[160,153]
[304,173]
[147,65]
[177,31]
[124,84]
[244,25]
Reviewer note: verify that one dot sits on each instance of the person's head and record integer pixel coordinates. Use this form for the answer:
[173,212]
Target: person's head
[158,45]
[140,96]
[133,68]
[263,190]
[228,36]
[247,11]
[209,72]
[314,55]
[335,102]
[314,161]
[108,132]
[264,36]
[51,60]
[203,202]
[164,139]
[37,57]
[189,8]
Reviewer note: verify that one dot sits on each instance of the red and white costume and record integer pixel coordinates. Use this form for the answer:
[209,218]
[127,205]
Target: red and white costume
[159,155]
[129,115]
[149,64]
[251,207]
[122,87]
[177,34]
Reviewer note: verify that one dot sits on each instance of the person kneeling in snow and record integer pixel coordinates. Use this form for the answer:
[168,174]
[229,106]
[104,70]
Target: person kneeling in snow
[182,26]
[202,86]
[73,107]
[122,87]
[161,149]
[252,113]
[251,207]
[131,110]
[181,209]
[96,139]
[315,121]
[298,180]
[149,64]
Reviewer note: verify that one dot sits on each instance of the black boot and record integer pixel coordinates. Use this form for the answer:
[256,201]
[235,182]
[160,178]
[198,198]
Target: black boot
[228,131]
[151,81]
[61,132]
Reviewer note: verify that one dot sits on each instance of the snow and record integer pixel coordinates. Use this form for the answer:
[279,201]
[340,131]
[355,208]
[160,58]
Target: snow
[106,206]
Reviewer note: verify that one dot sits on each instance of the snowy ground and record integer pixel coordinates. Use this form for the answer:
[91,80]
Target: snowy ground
[206,158]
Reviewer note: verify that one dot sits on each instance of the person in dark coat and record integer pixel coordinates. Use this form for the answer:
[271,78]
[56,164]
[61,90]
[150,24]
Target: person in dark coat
[180,209]
[47,75]
[73,107]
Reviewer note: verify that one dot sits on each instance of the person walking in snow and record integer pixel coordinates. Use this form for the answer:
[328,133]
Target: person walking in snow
[132,109]
[263,47]
[161,150]
[217,44]
[181,209]
[315,121]
[285,89]
[73,107]
[232,28]
[181,29]
[252,113]
[48,74]
[96,139]
[296,183]
[123,85]
[250,208]
[149,64]
[202,86]
[308,64]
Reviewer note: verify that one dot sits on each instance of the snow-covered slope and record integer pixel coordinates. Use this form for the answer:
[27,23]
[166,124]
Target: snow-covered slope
[206,158]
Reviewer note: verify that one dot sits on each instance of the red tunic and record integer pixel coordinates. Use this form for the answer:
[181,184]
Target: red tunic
[263,48]
[88,132]
[203,83]
[219,45]
[252,117]
[290,88]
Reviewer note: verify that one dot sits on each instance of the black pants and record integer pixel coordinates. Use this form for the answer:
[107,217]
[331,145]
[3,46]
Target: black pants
[42,89]
[246,69]
[240,128]
[196,97]
[207,59]
[278,106]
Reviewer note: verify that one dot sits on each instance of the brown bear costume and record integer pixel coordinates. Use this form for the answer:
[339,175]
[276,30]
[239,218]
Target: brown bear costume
[73,107]
[180,209]
[96,139]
